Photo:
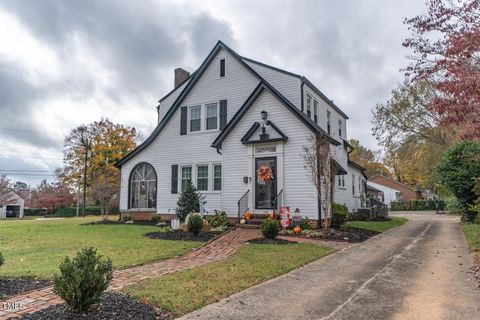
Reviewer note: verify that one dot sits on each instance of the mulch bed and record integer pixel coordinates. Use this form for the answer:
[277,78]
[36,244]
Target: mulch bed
[113,306]
[182,235]
[352,235]
[270,241]
[14,286]
[134,223]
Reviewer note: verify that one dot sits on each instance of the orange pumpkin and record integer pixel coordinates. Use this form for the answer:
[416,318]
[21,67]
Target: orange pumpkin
[271,215]
[247,215]
[297,229]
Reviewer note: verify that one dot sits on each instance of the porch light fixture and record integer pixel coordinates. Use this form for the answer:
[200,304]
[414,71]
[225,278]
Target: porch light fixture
[264,115]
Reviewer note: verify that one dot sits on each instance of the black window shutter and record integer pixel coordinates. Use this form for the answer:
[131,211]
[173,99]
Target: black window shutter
[183,120]
[174,179]
[223,114]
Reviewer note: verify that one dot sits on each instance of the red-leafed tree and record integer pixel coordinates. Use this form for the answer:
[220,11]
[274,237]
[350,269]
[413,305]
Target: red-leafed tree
[446,46]
[52,196]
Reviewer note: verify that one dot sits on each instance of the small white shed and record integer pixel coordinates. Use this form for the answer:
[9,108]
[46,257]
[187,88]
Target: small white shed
[13,208]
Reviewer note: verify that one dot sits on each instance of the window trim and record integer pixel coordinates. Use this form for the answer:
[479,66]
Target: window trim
[315,111]
[190,108]
[207,177]
[329,115]
[213,177]
[180,176]
[308,109]
[130,205]
[203,117]
[217,105]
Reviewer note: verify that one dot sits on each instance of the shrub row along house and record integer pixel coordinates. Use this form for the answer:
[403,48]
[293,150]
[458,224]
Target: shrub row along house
[225,124]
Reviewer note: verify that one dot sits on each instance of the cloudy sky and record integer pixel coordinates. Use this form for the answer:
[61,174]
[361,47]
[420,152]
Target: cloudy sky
[69,62]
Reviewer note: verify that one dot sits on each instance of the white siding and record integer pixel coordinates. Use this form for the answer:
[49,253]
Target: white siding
[288,85]
[294,178]
[345,195]
[389,194]
[172,148]
[322,116]
[167,103]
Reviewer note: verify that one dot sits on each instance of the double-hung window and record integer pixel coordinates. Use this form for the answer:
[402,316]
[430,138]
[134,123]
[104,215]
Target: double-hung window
[211,116]
[186,176]
[353,184]
[217,177]
[328,121]
[340,124]
[315,111]
[202,177]
[195,118]
[341,181]
[309,106]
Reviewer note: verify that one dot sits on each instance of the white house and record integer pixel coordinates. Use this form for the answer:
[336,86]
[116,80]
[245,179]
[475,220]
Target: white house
[224,122]
[388,194]
[12,206]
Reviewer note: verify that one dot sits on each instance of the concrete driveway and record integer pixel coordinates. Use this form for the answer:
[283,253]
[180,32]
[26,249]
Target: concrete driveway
[417,271]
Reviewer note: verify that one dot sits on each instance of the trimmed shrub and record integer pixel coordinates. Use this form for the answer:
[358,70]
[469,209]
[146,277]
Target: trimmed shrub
[270,228]
[219,219]
[83,279]
[2,260]
[195,224]
[188,202]
[417,205]
[339,214]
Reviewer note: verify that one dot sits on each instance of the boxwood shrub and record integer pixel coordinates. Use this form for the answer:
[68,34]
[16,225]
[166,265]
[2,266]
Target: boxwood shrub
[270,228]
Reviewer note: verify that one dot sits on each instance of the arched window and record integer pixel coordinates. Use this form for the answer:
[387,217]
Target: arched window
[143,187]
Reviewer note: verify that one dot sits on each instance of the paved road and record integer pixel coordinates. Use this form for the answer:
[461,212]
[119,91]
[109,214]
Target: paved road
[417,271]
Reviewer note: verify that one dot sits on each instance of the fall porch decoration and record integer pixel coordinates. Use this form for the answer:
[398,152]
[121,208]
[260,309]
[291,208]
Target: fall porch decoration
[265,173]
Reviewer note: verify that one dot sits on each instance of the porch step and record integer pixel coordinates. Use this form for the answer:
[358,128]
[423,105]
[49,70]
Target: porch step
[247,226]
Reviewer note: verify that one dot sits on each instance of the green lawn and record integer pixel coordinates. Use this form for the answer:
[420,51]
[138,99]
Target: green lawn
[35,248]
[378,226]
[472,233]
[192,289]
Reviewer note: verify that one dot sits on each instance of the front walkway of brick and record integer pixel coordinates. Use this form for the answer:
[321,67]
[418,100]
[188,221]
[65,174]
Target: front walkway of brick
[216,250]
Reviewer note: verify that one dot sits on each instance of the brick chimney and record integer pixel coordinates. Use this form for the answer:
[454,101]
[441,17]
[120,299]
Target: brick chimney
[180,76]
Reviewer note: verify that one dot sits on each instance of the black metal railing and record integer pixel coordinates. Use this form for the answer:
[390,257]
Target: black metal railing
[379,209]
[278,202]
[243,205]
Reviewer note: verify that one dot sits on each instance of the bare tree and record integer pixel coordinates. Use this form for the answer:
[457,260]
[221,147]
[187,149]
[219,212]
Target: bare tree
[6,190]
[105,189]
[318,156]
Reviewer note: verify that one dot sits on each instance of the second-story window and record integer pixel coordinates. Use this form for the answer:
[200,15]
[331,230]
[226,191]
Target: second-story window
[222,68]
[309,106]
[328,122]
[340,124]
[353,184]
[212,116]
[195,118]
[315,111]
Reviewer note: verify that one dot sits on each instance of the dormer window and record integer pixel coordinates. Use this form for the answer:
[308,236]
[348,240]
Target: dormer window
[222,68]
[315,111]
[328,121]
[309,106]
[340,124]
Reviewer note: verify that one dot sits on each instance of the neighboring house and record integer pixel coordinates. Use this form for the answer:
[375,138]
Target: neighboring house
[373,192]
[13,206]
[392,190]
[350,189]
[219,125]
